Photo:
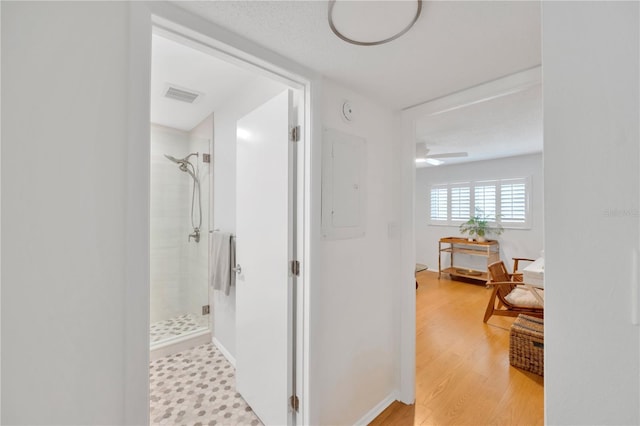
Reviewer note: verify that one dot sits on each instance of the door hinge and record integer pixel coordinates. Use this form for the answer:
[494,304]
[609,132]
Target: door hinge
[295,268]
[295,133]
[205,310]
[294,403]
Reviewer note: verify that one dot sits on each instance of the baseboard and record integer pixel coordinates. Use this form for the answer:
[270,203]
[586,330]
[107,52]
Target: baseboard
[224,352]
[379,408]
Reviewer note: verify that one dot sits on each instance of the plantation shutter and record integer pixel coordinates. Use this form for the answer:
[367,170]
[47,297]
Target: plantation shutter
[460,203]
[439,204]
[513,201]
[500,201]
[485,200]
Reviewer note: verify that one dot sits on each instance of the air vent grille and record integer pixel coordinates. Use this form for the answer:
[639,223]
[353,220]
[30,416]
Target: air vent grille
[181,94]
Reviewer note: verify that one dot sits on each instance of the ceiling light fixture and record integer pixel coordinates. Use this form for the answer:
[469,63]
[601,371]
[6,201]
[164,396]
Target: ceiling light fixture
[374,42]
[431,161]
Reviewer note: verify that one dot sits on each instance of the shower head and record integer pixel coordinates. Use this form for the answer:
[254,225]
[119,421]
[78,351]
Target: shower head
[172,158]
[183,163]
[181,160]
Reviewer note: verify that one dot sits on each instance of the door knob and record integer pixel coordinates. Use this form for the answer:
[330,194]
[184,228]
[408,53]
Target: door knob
[237,269]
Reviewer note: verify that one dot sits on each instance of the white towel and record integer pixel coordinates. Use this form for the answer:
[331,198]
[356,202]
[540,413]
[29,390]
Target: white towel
[223,259]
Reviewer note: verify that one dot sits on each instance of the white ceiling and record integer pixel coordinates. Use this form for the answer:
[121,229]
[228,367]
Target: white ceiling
[502,127]
[191,69]
[454,45]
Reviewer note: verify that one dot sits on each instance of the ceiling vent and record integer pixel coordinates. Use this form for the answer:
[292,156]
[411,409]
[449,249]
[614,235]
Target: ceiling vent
[182,94]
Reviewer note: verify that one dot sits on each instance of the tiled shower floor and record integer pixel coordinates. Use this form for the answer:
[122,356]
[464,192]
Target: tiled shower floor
[197,387]
[176,326]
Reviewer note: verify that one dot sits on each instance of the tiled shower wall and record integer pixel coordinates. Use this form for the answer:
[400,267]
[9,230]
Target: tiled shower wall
[170,197]
[179,268]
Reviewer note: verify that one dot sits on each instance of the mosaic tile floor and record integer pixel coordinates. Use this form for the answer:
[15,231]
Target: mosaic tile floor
[176,326]
[196,387]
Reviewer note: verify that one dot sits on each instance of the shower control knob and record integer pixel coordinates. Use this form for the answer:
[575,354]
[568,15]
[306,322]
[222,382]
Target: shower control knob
[195,235]
[237,269]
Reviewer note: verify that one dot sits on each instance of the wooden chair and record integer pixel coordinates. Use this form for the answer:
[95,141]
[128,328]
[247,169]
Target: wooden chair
[516,263]
[506,293]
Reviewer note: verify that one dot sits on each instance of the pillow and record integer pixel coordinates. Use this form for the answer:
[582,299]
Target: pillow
[521,296]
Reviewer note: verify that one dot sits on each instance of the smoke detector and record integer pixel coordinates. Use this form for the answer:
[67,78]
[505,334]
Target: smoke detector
[177,93]
[347,111]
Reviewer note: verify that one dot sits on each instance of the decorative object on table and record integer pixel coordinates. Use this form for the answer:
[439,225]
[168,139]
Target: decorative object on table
[511,294]
[479,225]
[471,272]
[526,344]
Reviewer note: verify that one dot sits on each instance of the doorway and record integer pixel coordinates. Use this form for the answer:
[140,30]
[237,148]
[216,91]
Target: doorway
[425,124]
[235,98]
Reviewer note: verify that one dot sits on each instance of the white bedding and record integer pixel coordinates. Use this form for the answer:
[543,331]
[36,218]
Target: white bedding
[534,273]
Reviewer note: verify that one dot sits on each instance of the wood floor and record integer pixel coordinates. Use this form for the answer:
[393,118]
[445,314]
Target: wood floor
[463,376]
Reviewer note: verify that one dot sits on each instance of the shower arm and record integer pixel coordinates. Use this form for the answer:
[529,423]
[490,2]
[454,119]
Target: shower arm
[191,155]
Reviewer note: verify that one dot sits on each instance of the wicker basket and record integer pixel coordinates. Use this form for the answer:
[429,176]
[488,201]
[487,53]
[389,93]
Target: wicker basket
[526,344]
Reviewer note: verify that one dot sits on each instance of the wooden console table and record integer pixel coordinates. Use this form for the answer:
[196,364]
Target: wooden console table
[489,249]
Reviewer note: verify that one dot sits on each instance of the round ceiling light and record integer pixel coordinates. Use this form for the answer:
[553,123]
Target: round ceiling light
[385,20]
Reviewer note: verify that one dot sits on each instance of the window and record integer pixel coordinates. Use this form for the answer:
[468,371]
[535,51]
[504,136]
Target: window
[513,202]
[460,202]
[503,201]
[439,205]
[485,199]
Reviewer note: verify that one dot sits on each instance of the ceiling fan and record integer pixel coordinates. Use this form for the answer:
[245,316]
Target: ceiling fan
[422,155]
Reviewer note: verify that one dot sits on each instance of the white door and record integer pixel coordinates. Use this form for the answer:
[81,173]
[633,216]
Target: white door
[264,231]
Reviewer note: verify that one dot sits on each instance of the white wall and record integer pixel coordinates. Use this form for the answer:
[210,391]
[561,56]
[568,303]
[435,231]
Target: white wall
[354,342]
[513,242]
[591,109]
[224,191]
[64,175]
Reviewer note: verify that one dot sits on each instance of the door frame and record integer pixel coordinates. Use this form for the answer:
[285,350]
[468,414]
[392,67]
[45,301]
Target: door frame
[506,85]
[146,17]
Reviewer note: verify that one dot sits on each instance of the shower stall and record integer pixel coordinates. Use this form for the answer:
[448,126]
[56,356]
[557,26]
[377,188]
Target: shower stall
[180,182]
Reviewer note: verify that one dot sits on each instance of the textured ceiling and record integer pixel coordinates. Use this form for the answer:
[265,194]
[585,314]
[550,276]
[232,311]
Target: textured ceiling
[501,127]
[454,44]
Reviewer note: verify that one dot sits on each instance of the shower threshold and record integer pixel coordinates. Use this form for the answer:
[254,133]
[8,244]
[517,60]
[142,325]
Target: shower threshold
[178,333]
